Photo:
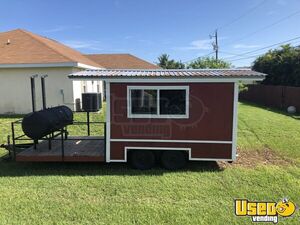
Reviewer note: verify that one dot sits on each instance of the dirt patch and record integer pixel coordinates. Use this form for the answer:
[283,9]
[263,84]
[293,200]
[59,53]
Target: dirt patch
[252,158]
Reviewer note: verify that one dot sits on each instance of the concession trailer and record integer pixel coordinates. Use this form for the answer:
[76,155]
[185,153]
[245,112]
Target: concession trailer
[166,116]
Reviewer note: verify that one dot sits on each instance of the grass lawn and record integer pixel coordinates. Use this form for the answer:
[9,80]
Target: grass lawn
[259,128]
[57,193]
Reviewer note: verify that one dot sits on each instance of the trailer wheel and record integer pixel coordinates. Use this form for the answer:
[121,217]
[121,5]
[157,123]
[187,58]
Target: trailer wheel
[142,159]
[173,160]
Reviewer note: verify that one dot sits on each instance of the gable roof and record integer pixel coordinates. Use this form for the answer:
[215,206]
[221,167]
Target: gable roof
[121,61]
[23,47]
[170,73]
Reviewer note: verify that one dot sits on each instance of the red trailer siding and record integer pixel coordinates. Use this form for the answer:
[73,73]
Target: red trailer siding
[207,131]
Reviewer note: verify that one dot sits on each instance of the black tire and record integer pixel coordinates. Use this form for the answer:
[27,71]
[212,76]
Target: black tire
[173,160]
[142,159]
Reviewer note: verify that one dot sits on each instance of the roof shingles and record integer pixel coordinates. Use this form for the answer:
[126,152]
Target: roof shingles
[121,61]
[25,47]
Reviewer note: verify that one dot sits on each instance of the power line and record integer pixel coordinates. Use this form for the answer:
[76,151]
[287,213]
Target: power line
[248,57]
[243,15]
[245,53]
[199,57]
[266,27]
[215,44]
[229,53]
[259,49]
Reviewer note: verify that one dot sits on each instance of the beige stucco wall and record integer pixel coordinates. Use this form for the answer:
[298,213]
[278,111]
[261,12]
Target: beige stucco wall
[15,92]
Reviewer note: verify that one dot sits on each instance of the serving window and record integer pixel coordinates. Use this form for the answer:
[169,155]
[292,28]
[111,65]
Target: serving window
[158,101]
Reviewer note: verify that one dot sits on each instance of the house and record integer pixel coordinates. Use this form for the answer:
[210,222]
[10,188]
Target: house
[170,116]
[24,54]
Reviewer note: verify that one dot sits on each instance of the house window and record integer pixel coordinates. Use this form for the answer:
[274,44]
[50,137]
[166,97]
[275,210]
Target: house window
[158,101]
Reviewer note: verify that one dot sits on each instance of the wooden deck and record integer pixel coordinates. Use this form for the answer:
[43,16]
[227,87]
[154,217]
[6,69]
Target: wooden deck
[87,149]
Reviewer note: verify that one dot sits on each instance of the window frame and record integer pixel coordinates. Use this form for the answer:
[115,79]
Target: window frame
[158,115]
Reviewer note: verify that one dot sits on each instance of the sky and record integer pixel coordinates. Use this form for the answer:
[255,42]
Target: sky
[147,29]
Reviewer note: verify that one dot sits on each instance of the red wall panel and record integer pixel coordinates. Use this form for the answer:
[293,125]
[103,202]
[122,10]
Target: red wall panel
[211,111]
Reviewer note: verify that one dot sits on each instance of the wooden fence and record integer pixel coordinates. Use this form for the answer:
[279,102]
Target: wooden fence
[272,96]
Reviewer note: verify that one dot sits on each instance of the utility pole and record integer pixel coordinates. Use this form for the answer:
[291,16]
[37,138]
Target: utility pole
[215,44]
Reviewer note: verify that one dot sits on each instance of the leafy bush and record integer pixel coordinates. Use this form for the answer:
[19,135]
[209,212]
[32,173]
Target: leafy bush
[208,63]
[282,66]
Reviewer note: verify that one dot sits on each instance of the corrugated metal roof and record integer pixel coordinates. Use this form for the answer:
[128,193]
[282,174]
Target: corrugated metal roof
[166,73]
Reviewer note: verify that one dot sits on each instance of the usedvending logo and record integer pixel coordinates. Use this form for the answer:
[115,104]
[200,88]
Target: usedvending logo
[265,211]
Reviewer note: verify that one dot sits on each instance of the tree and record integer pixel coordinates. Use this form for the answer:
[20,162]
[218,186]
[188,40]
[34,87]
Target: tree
[282,66]
[166,63]
[208,63]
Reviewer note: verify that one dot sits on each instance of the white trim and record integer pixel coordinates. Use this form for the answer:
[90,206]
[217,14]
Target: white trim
[108,122]
[46,65]
[172,141]
[158,115]
[85,66]
[128,102]
[180,70]
[38,65]
[210,159]
[158,107]
[189,150]
[168,80]
[235,120]
[148,148]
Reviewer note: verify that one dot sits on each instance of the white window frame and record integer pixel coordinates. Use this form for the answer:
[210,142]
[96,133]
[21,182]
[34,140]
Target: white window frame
[158,115]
